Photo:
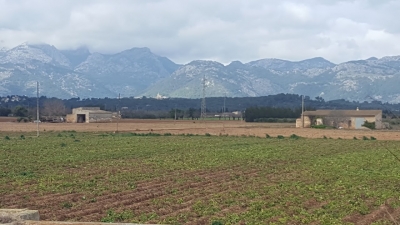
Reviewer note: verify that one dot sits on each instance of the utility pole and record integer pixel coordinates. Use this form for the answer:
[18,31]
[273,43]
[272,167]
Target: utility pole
[118,110]
[302,111]
[37,109]
[224,103]
[175,112]
[203,101]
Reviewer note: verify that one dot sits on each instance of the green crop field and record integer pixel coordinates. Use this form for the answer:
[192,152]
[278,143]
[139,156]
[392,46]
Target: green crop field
[205,179]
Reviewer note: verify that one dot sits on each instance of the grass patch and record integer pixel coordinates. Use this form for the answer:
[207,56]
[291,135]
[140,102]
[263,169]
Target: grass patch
[67,205]
[114,217]
[319,126]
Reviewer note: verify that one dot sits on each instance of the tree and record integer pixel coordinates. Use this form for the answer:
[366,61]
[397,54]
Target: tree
[4,111]
[53,107]
[20,111]
[191,112]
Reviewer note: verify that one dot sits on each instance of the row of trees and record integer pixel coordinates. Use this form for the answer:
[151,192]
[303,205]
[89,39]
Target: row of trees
[188,108]
[214,104]
[177,114]
[49,107]
[254,114]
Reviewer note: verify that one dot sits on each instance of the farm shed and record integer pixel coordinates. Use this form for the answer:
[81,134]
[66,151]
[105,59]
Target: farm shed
[88,115]
[347,119]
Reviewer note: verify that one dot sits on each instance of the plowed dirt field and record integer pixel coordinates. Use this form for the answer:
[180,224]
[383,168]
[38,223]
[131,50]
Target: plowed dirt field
[201,127]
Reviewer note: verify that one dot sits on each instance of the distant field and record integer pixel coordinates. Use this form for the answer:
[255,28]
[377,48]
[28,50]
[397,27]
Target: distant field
[8,119]
[214,127]
[200,179]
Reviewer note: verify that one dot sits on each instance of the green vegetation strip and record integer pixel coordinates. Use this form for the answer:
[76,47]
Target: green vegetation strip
[276,180]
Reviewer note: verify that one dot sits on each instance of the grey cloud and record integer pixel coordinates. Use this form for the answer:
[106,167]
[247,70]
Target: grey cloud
[223,30]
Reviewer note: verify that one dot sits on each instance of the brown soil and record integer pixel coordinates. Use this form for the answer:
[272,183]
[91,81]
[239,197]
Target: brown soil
[201,127]
[164,196]
[8,119]
[384,212]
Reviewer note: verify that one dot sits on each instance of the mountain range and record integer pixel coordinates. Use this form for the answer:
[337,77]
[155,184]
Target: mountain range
[139,72]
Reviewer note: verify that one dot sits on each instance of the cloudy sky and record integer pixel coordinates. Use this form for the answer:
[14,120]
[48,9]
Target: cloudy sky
[222,30]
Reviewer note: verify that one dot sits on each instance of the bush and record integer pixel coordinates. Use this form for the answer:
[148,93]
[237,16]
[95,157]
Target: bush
[373,138]
[7,137]
[67,205]
[280,137]
[294,136]
[355,138]
[267,136]
[365,138]
[369,125]
[319,126]
[208,134]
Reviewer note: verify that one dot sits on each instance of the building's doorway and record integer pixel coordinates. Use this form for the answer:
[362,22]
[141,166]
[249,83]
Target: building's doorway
[81,118]
[359,122]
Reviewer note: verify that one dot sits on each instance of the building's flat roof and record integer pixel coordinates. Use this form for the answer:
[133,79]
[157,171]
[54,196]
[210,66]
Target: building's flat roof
[99,111]
[343,113]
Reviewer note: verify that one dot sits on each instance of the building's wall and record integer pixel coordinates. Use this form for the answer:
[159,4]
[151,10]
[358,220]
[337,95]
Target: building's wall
[337,121]
[307,122]
[99,117]
[378,121]
[71,118]
[92,114]
[345,122]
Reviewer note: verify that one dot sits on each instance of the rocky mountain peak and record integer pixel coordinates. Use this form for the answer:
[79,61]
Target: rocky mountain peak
[269,63]
[140,72]
[205,63]
[28,53]
[236,65]
[317,62]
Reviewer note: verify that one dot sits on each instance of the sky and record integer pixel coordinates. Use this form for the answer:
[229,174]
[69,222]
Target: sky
[220,30]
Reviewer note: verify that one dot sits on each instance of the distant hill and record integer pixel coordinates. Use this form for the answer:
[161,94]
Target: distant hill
[139,72]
